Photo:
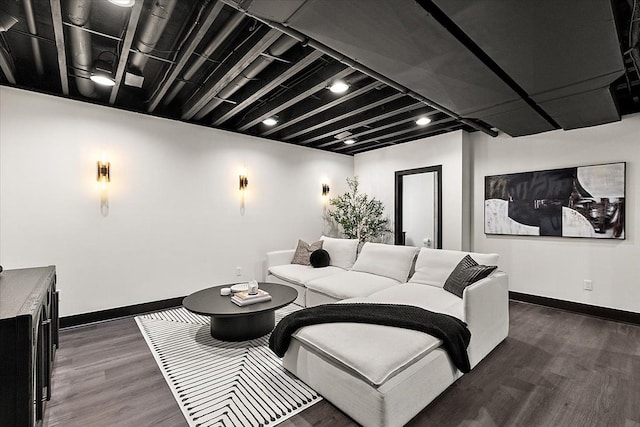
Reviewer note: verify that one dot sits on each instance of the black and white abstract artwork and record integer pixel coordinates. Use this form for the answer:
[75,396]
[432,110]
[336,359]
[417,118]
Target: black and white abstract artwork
[585,201]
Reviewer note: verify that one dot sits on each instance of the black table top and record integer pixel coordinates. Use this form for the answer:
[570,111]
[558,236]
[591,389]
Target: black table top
[209,302]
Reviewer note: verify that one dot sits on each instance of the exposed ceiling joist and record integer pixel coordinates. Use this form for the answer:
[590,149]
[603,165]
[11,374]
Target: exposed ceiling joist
[401,105]
[134,17]
[360,67]
[436,125]
[58,31]
[376,99]
[310,86]
[397,122]
[185,55]
[318,106]
[268,84]
[215,64]
[259,40]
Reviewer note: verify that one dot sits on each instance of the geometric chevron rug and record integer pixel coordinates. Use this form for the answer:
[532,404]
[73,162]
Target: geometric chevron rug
[219,383]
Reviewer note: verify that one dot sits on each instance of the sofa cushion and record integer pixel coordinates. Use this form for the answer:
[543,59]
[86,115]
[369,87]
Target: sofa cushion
[363,349]
[354,345]
[349,284]
[320,258]
[303,252]
[389,261]
[434,266]
[466,273]
[432,298]
[301,274]
[342,252]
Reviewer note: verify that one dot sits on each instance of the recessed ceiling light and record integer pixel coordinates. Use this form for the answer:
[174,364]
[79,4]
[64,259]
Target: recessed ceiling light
[349,141]
[103,80]
[270,121]
[339,87]
[123,3]
[422,121]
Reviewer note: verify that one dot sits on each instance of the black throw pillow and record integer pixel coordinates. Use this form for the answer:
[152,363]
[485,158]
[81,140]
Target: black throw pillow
[466,273]
[319,258]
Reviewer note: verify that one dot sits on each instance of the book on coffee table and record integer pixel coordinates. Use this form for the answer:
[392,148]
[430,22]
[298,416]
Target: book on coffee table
[244,298]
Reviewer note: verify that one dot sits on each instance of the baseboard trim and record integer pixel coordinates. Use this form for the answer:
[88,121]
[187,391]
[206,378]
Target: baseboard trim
[576,307]
[114,313]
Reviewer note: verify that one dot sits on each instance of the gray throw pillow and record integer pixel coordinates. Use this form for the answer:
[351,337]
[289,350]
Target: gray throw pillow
[466,273]
[303,252]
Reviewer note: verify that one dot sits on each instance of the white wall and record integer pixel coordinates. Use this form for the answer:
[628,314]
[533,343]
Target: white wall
[174,224]
[556,267]
[376,170]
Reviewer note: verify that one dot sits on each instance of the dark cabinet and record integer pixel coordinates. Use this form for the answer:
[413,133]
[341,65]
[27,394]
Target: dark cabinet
[28,341]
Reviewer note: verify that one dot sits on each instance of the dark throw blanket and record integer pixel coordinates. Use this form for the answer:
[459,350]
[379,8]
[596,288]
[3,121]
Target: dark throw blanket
[452,331]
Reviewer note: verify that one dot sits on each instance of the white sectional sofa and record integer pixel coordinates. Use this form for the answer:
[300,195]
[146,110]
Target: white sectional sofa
[381,375]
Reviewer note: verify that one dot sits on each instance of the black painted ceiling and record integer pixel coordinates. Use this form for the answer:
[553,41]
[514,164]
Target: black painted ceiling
[480,65]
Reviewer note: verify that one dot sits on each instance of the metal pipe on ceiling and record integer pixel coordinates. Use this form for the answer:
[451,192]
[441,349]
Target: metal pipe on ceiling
[35,44]
[228,28]
[279,47]
[80,43]
[7,66]
[360,67]
[152,31]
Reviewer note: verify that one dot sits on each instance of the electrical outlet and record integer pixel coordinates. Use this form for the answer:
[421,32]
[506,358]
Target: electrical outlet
[588,285]
[238,271]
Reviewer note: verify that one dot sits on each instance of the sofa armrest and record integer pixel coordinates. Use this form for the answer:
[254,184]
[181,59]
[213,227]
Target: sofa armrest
[279,258]
[486,312]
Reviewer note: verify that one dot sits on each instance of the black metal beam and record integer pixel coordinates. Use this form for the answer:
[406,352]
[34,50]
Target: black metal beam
[134,17]
[185,55]
[400,124]
[392,136]
[344,111]
[270,82]
[259,40]
[317,106]
[58,31]
[308,87]
[398,106]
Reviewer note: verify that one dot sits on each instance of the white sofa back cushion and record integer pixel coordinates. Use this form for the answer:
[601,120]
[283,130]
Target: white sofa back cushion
[384,260]
[434,266]
[342,252]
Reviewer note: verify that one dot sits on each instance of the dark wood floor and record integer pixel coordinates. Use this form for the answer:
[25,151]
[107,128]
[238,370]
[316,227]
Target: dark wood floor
[555,369]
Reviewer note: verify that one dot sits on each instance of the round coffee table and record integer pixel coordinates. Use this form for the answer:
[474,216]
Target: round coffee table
[230,322]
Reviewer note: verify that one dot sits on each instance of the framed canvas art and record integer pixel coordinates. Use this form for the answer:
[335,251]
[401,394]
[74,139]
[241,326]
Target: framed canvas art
[584,201]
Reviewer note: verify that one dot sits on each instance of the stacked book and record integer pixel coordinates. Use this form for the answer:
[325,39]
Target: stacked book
[245,298]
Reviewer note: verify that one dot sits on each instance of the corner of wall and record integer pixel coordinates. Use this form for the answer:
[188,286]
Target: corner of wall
[467,193]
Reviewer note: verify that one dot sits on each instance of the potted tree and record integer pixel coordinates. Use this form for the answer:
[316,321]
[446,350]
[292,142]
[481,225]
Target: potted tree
[359,216]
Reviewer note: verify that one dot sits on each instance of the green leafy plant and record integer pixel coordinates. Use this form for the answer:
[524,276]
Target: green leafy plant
[359,216]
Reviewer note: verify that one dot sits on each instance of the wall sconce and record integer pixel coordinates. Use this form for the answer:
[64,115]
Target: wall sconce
[325,189]
[244,181]
[104,172]
[242,186]
[104,177]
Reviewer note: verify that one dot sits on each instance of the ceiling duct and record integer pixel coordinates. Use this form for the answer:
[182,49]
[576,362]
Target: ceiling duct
[35,44]
[151,32]
[228,28]
[80,41]
[279,47]
[7,18]
[7,66]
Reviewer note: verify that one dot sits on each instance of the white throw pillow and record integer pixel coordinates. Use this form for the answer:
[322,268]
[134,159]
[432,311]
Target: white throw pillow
[434,266]
[342,252]
[384,260]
